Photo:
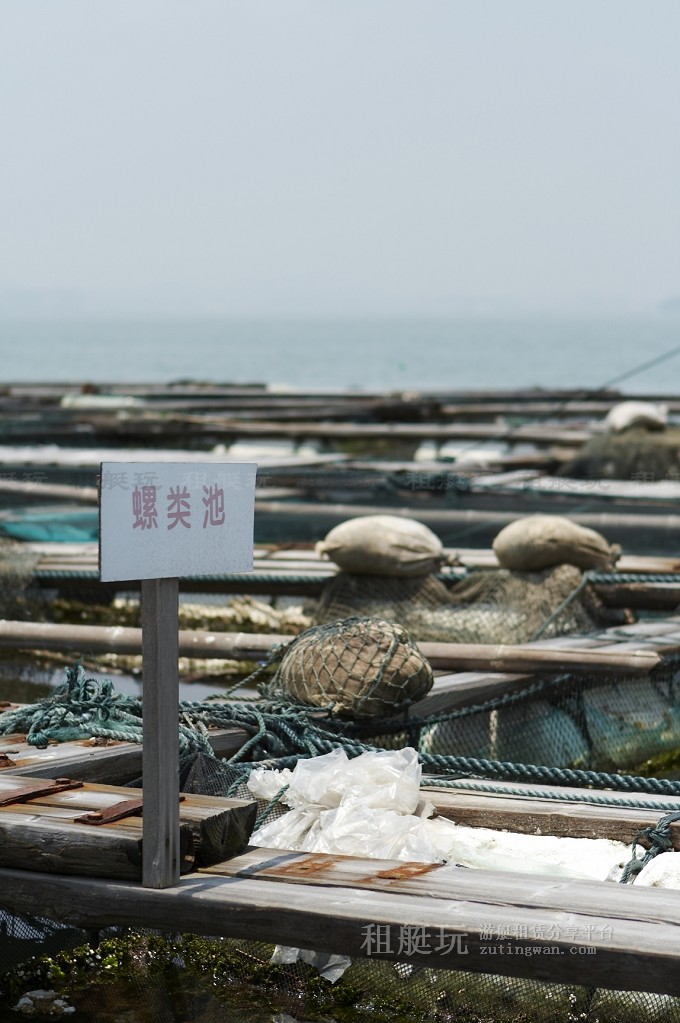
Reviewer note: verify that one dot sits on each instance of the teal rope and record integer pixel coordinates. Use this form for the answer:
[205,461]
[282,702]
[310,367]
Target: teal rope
[612,578]
[585,796]
[274,802]
[505,771]
[78,708]
[278,735]
[660,838]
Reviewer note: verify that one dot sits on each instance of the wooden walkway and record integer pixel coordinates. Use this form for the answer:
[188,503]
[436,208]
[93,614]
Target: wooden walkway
[600,934]
[340,905]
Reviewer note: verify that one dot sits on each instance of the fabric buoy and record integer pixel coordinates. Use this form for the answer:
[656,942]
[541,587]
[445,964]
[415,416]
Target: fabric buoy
[389,545]
[536,542]
[628,414]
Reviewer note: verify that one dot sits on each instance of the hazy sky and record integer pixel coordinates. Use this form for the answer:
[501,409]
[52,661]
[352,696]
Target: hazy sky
[306,157]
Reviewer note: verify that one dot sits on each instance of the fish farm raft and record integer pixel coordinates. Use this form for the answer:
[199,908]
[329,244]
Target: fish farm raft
[418,759]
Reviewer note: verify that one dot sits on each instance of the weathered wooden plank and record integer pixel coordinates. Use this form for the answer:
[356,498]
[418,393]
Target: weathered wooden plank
[46,840]
[526,658]
[534,434]
[466,688]
[114,763]
[85,554]
[220,827]
[553,793]
[635,933]
[251,646]
[119,639]
[546,817]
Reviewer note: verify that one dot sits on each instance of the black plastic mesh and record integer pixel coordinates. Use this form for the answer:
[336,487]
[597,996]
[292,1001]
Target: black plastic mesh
[145,977]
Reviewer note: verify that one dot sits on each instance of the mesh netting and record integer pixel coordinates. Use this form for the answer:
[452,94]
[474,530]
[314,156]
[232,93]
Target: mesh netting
[493,606]
[625,724]
[636,454]
[146,977]
[363,666]
[17,596]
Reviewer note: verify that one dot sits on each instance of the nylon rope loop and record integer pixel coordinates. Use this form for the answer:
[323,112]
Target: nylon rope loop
[659,837]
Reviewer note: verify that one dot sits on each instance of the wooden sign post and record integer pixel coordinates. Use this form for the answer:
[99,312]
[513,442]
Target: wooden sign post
[159,521]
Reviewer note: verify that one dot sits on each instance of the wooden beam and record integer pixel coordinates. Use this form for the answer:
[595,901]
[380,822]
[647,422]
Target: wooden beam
[558,657]
[114,763]
[48,839]
[545,816]
[635,933]
[220,827]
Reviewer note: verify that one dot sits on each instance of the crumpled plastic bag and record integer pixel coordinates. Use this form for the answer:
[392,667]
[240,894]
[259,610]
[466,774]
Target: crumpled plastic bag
[365,806]
[330,967]
[371,806]
[360,807]
[386,779]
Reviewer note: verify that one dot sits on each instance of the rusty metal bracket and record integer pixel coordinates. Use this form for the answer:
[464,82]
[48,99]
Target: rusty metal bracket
[115,812]
[6,761]
[46,787]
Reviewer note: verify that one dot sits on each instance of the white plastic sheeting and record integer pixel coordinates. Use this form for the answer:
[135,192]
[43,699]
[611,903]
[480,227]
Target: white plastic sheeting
[371,806]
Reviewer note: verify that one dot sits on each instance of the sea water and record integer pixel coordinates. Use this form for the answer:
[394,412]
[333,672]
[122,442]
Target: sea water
[377,354]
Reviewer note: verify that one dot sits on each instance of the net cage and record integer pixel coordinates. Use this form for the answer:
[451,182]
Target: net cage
[621,723]
[123,975]
[18,594]
[140,976]
[487,606]
[598,723]
[613,723]
[635,454]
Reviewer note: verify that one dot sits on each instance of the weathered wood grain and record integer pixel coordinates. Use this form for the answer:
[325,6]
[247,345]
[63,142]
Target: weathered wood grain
[160,754]
[546,817]
[84,639]
[635,933]
[87,760]
[48,839]
[220,826]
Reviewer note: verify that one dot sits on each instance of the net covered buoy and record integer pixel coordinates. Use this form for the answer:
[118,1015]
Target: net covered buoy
[360,667]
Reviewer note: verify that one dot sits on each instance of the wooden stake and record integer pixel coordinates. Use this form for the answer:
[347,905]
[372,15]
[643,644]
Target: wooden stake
[160,759]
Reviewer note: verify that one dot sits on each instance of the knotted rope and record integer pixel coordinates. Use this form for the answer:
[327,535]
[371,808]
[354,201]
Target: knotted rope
[278,735]
[659,837]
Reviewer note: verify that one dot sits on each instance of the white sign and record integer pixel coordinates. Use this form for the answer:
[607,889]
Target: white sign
[158,520]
